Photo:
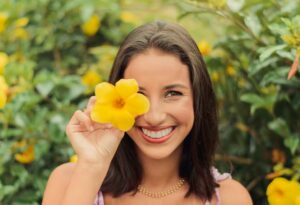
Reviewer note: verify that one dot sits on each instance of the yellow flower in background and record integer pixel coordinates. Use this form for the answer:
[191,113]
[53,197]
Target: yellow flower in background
[204,47]
[215,76]
[289,39]
[282,191]
[230,70]
[19,144]
[3,19]
[3,61]
[271,89]
[129,17]
[90,79]
[27,156]
[20,33]
[242,83]
[241,126]
[21,22]
[119,104]
[74,158]
[3,92]
[217,3]
[278,156]
[91,26]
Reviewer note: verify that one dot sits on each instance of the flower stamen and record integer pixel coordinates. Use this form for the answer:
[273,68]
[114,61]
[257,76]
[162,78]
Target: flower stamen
[119,103]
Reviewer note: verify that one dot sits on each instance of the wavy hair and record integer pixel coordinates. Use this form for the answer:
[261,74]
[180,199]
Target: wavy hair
[125,172]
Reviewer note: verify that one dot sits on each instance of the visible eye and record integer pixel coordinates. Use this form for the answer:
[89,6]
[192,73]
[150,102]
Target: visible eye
[171,93]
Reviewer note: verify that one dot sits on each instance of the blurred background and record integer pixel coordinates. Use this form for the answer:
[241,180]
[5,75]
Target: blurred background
[53,53]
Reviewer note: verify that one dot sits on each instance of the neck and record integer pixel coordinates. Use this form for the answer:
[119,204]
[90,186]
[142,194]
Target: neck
[160,174]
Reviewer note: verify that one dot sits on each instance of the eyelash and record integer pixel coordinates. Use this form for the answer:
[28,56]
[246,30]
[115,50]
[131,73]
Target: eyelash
[173,93]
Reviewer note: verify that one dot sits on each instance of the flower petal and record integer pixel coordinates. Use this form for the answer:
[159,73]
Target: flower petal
[126,87]
[123,120]
[105,93]
[137,104]
[294,67]
[102,113]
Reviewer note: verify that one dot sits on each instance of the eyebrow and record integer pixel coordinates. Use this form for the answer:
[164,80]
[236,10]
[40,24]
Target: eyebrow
[170,87]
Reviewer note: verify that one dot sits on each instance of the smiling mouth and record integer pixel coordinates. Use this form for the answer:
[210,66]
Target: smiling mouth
[157,134]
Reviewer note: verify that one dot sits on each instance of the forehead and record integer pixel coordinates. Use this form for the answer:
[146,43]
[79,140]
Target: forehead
[157,67]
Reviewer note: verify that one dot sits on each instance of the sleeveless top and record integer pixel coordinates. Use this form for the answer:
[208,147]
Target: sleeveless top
[218,177]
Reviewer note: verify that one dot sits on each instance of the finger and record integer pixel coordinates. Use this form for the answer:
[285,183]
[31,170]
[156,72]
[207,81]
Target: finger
[77,128]
[81,118]
[90,105]
[102,126]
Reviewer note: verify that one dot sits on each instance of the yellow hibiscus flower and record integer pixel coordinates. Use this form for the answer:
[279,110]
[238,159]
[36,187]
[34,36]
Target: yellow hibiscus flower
[21,22]
[3,92]
[289,39]
[91,26]
[119,104]
[129,17]
[90,79]
[217,3]
[204,48]
[3,61]
[282,191]
[20,33]
[27,156]
[74,158]
[215,76]
[3,19]
[230,70]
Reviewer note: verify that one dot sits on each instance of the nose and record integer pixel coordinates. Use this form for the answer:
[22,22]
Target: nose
[156,114]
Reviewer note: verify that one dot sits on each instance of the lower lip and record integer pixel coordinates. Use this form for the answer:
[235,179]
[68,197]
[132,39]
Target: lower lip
[159,140]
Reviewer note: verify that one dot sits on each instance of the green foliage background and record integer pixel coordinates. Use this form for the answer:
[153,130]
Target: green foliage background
[259,107]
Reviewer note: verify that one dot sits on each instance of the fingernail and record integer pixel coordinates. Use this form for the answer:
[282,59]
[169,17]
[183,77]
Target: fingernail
[91,128]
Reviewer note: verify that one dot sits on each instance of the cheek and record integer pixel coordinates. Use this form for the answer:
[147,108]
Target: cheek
[184,111]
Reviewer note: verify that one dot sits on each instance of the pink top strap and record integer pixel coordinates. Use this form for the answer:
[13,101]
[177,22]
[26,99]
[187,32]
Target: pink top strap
[217,175]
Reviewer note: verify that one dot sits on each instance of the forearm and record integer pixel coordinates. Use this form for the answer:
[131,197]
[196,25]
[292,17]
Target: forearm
[84,184]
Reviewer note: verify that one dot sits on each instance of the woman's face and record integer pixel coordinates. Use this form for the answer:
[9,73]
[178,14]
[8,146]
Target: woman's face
[164,80]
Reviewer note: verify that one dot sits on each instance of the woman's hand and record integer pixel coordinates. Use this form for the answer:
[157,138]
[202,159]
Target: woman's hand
[94,143]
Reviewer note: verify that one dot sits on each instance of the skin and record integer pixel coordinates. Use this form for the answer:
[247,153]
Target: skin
[96,144]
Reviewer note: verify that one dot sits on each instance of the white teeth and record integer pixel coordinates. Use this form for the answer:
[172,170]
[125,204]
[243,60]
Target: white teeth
[157,134]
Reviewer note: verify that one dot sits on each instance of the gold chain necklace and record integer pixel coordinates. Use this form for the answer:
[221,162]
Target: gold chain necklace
[161,194]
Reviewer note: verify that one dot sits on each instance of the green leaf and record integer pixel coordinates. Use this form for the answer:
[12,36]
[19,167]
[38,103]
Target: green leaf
[235,5]
[280,127]
[278,29]
[45,88]
[257,101]
[286,21]
[292,142]
[274,76]
[285,54]
[260,66]
[6,190]
[268,51]
[10,132]
[253,23]
[279,77]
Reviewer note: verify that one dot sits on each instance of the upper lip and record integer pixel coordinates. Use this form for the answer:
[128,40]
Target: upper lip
[155,128]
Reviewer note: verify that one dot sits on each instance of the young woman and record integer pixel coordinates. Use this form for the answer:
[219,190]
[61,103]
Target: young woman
[167,157]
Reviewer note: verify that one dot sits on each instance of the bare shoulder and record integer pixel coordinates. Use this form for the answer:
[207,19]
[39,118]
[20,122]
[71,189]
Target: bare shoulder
[57,183]
[234,193]
[62,173]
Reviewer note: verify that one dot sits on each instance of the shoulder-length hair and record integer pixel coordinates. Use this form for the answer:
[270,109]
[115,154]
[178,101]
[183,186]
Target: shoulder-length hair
[125,172]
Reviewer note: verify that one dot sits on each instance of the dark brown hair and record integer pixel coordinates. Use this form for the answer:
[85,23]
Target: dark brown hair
[125,172]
